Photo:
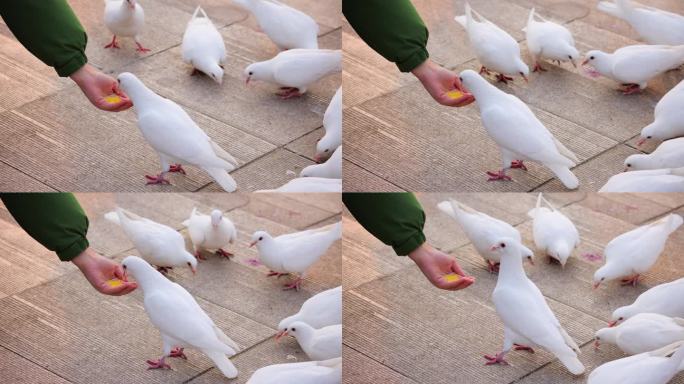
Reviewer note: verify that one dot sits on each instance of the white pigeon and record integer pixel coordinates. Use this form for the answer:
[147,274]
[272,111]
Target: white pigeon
[482,230]
[527,318]
[669,117]
[669,154]
[553,232]
[320,310]
[635,65]
[645,368]
[309,185]
[633,253]
[642,333]
[308,372]
[296,70]
[175,136]
[495,49]
[125,18]
[319,344]
[331,169]
[332,123]
[212,232]
[203,46]
[549,40]
[664,299]
[180,320]
[287,27]
[518,132]
[655,26]
[295,252]
[652,180]
[158,244]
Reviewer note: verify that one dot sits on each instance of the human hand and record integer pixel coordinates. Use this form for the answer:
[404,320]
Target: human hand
[98,269]
[436,264]
[97,87]
[439,82]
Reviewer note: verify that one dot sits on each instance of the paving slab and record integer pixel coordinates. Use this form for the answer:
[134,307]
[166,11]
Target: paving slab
[306,145]
[361,369]
[633,208]
[357,179]
[13,180]
[16,369]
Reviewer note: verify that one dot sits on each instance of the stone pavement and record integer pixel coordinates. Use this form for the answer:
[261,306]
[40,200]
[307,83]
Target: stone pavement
[397,138]
[54,328]
[53,139]
[400,329]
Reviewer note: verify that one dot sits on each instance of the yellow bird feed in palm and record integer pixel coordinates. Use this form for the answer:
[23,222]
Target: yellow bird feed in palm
[455,94]
[113,99]
[450,278]
[114,283]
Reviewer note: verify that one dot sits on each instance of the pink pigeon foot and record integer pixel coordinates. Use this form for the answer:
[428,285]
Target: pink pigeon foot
[276,274]
[177,168]
[538,68]
[225,254]
[178,352]
[501,175]
[195,71]
[140,48]
[113,44]
[164,270]
[633,281]
[629,89]
[198,256]
[520,347]
[498,359]
[484,70]
[503,78]
[159,179]
[294,285]
[288,92]
[518,164]
[158,364]
[492,267]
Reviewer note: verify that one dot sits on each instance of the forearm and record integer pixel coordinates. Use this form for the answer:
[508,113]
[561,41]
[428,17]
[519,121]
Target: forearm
[396,219]
[56,220]
[50,30]
[394,29]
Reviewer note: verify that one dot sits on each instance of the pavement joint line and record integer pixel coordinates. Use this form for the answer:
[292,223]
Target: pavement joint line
[30,176]
[382,364]
[376,175]
[35,363]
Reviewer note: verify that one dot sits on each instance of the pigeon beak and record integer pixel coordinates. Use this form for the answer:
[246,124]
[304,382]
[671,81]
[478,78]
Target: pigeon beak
[597,344]
[641,142]
[625,169]
[529,258]
[585,62]
[247,80]
[317,159]
[280,335]
[253,243]
[596,285]
[525,78]
[194,270]
[494,248]
[574,63]
[612,323]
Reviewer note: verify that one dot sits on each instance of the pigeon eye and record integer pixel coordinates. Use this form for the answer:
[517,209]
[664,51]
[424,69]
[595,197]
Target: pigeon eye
[461,79]
[591,58]
[326,150]
[648,137]
[293,329]
[629,165]
[503,245]
[621,318]
[118,81]
[124,267]
[251,73]
[189,265]
[261,238]
[569,57]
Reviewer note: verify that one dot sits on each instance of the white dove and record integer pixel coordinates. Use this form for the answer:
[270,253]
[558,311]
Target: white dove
[332,123]
[652,180]
[669,154]
[203,46]
[180,320]
[482,230]
[633,66]
[634,252]
[319,344]
[308,372]
[213,231]
[320,310]
[295,252]
[548,40]
[125,18]
[655,26]
[296,69]
[518,132]
[331,169]
[495,49]
[527,318]
[158,244]
[664,299]
[309,185]
[175,136]
[287,27]
[645,368]
[642,333]
[669,117]
[553,232]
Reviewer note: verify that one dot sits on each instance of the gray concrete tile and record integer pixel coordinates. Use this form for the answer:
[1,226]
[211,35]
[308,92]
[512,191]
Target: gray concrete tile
[298,211]
[16,369]
[12,180]
[633,208]
[357,179]
[306,145]
[361,369]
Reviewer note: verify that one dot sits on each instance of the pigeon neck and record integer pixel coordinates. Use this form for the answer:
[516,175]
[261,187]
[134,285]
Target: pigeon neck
[511,268]
[141,95]
[148,277]
[268,252]
[484,91]
[304,334]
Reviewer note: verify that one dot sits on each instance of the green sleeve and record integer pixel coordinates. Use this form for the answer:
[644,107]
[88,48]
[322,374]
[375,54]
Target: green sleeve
[393,28]
[396,219]
[50,30]
[55,220]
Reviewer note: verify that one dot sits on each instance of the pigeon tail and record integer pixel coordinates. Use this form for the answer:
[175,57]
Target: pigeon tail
[673,222]
[222,363]
[610,8]
[113,217]
[222,178]
[186,223]
[572,363]
[565,175]
[677,171]
[336,230]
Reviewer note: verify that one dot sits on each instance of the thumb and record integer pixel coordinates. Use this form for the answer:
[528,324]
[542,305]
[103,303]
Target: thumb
[119,272]
[457,268]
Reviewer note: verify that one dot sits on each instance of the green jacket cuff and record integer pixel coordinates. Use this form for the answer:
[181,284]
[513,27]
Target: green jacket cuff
[71,66]
[411,62]
[73,250]
[410,244]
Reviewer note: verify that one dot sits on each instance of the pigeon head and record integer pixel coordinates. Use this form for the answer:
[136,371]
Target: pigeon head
[471,80]
[521,68]
[256,71]
[573,54]
[637,162]
[130,3]
[130,83]
[619,315]
[604,335]
[258,237]
[510,247]
[136,266]
[324,148]
[216,217]
[649,132]
[603,274]
[209,67]
[190,261]
[561,251]
[298,329]
[596,59]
